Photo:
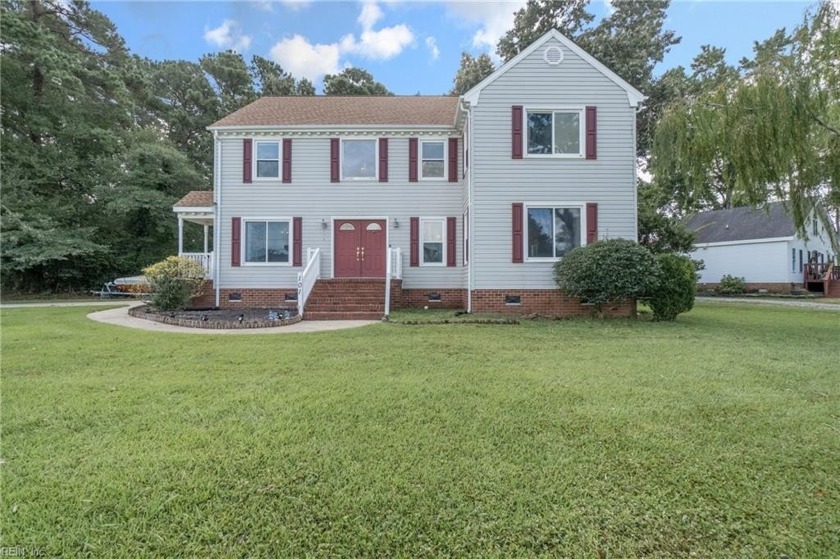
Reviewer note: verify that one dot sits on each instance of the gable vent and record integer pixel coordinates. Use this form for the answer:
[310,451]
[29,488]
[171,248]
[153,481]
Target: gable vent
[553,55]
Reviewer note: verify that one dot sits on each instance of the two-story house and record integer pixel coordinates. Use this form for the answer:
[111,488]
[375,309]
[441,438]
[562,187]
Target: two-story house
[463,202]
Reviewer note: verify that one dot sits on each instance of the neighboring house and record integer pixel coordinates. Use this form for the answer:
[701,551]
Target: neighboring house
[760,245]
[465,202]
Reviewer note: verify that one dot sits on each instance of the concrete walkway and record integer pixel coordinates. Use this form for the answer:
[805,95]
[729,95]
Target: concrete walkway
[120,317]
[800,303]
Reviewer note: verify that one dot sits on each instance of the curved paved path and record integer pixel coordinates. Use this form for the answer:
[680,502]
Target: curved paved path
[120,317]
[802,304]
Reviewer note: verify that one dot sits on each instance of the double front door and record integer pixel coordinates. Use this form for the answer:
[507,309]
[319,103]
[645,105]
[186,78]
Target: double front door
[360,248]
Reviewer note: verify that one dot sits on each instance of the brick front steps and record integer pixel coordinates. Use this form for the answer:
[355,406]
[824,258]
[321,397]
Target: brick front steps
[349,299]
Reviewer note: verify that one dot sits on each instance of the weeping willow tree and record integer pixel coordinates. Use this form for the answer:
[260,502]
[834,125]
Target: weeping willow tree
[773,134]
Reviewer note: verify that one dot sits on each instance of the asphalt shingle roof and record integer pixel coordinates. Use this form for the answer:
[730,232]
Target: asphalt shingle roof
[345,111]
[740,224]
[196,199]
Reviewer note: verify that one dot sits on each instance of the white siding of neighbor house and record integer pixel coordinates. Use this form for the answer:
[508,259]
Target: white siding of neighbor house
[767,262]
[499,181]
[314,198]
[761,262]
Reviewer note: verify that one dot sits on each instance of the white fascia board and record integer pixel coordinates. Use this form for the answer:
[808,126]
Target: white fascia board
[333,129]
[634,96]
[194,209]
[744,242]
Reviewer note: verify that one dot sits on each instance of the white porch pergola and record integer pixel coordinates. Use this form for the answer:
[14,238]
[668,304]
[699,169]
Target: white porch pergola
[197,207]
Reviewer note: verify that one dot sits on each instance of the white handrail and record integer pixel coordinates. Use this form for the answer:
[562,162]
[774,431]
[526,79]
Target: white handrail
[307,278]
[205,259]
[387,283]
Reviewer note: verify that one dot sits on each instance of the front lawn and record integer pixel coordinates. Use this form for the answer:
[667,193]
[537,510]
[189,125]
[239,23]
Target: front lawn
[715,436]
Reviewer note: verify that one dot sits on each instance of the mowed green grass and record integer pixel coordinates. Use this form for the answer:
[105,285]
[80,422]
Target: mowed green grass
[715,436]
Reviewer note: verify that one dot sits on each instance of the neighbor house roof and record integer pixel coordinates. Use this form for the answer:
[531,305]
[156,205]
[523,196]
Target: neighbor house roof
[345,111]
[196,199]
[741,224]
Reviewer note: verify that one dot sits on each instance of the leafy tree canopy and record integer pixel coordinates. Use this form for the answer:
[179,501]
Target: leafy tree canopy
[353,81]
[473,70]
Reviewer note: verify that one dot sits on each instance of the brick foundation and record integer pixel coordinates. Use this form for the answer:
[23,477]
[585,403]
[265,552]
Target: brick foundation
[419,298]
[544,302]
[258,299]
[207,299]
[755,287]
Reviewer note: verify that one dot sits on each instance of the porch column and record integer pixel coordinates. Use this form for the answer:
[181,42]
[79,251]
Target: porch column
[180,234]
[206,228]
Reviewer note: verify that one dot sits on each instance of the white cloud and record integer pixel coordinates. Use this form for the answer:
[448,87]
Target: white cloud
[493,19]
[295,5]
[303,59]
[608,4]
[371,13]
[228,36]
[434,51]
[383,44]
[264,5]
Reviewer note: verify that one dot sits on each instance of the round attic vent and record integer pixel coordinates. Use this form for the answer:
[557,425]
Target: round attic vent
[553,55]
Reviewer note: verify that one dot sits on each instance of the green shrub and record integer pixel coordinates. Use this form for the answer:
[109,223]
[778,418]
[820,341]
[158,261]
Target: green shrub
[608,271]
[174,282]
[731,285]
[676,288]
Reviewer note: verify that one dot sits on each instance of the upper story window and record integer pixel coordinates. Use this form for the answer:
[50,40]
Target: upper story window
[267,162]
[358,159]
[553,231]
[433,159]
[433,241]
[555,132]
[267,241]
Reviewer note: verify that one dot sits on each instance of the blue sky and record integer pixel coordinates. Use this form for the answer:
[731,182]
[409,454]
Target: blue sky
[410,46]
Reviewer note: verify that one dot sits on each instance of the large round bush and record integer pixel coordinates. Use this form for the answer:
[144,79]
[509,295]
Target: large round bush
[608,271]
[174,282]
[676,288]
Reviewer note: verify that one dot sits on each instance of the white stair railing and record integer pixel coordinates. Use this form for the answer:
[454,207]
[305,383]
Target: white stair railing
[205,259]
[307,278]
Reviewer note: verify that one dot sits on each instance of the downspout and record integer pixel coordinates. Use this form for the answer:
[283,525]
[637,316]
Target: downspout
[217,217]
[471,213]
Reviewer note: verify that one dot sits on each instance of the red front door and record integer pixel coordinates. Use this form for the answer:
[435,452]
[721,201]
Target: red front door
[360,248]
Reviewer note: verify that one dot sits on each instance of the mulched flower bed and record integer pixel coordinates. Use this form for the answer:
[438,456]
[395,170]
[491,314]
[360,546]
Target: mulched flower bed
[219,318]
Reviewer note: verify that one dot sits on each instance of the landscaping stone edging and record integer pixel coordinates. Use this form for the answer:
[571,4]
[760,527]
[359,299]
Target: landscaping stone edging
[140,311]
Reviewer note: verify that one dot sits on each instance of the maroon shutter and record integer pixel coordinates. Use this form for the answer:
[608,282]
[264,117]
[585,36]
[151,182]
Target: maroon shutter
[247,151]
[516,131]
[591,223]
[412,160]
[591,132]
[517,233]
[287,160]
[334,168]
[450,241]
[383,159]
[414,251]
[453,159]
[297,240]
[235,240]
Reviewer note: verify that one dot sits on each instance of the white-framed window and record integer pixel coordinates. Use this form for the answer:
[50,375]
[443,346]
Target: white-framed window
[433,241]
[267,241]
[359,159]
[555,132]
[433,159]
[553,230]
[267,160]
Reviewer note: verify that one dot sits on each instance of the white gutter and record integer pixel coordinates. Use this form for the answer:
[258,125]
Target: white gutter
[469,153]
